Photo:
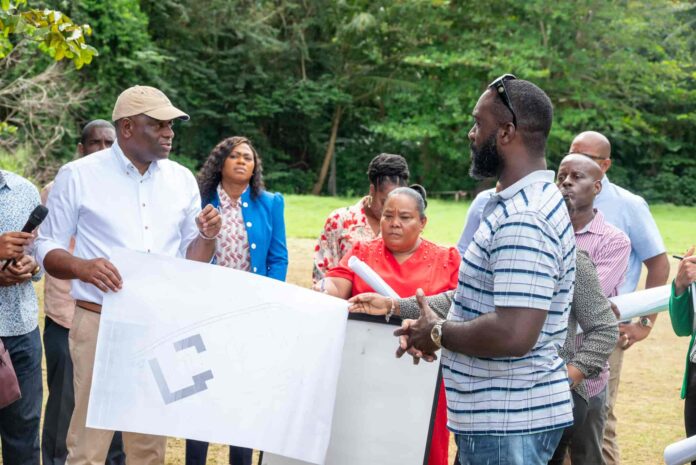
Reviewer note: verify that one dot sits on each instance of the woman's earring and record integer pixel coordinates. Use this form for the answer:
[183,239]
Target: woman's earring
[368,201]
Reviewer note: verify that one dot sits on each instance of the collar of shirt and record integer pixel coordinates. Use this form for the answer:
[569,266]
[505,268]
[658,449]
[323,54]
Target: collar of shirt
[531,178]
[226,200]
[606,184]
[596,226]
[9,179]
[128,166]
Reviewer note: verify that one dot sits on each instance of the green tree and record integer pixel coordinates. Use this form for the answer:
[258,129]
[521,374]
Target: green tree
[622,68]
[53,32]
[37,96]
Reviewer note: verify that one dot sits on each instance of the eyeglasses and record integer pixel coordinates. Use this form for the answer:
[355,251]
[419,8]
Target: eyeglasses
[499,86]
[594,157]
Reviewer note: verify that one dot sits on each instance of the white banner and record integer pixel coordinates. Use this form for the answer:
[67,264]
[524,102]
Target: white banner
[204,352]
[384,405]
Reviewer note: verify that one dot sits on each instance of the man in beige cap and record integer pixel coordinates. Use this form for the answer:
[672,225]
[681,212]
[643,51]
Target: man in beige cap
[129,195]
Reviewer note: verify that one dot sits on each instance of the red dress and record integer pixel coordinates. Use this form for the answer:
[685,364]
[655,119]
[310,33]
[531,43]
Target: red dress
[434,269]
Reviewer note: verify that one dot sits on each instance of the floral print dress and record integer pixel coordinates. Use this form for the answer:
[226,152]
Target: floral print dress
[343,228]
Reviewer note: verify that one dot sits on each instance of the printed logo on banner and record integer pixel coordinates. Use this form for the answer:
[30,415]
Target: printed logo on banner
[199,380]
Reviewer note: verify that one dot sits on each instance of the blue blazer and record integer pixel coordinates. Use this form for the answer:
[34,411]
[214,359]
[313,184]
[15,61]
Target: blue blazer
[265,227]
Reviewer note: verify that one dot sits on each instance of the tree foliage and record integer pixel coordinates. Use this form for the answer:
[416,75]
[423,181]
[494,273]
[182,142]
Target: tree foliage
[310,80]
[38,96]
[53,32]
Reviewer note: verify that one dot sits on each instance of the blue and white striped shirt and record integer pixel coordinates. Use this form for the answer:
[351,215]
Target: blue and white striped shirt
[522,255]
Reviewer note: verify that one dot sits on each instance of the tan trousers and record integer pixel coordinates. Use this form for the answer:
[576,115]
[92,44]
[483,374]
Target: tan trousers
[88,446]
[610,445]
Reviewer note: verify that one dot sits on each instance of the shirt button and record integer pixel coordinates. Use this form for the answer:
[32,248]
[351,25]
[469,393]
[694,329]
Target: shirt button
[145,227]
[148,250]
[143,205]
[254,269]
[253,246]
[248,224]
[245,204]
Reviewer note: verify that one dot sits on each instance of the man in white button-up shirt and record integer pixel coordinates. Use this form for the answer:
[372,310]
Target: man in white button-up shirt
[128,196]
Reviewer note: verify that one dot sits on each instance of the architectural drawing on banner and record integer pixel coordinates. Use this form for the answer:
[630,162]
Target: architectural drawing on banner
[209,353]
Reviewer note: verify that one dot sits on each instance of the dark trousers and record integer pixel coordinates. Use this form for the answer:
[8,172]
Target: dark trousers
[197,453]
[61,400]
[690,404]
[579,415]
[19,421]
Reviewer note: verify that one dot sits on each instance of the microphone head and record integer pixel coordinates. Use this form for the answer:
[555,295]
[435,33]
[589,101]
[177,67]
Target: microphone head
[36,217]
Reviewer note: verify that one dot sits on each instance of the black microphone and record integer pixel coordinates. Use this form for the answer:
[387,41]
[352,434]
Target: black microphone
[35,219]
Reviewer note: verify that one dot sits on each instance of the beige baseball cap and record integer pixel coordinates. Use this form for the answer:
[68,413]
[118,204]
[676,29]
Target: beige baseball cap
[148,101]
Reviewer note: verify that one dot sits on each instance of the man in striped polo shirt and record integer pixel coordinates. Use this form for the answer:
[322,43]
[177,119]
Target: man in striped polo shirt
[507,389]
[580,181]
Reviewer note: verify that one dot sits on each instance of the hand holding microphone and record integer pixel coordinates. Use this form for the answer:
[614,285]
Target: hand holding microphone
[12,243]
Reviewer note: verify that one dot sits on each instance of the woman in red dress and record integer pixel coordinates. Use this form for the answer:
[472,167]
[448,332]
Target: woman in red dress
[406,262]
[347,226]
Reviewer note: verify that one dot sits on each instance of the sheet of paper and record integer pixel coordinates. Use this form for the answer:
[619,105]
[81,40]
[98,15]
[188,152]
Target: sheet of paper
[641,303]
[383,404]
[198,351]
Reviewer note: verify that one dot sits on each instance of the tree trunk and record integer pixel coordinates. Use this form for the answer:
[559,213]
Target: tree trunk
[332,177]
[336,121]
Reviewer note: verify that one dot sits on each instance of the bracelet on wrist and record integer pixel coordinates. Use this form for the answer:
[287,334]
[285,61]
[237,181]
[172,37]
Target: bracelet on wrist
[200,233]
[391,309]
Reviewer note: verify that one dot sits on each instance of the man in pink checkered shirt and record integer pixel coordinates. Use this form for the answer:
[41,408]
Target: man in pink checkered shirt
[580,180]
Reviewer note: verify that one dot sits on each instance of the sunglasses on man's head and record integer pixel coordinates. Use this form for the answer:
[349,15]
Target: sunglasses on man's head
[499,86]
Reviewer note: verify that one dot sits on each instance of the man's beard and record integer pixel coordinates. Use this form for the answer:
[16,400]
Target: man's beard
[485,161]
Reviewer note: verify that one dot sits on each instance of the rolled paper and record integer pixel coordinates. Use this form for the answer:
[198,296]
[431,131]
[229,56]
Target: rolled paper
[369,275]
[681,452]
[642,303]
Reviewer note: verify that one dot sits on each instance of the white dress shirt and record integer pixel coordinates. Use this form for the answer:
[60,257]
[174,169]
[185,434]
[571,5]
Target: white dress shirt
[104,202]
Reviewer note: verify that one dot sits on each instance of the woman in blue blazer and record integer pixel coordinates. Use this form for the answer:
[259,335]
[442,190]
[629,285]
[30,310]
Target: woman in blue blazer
[252,237]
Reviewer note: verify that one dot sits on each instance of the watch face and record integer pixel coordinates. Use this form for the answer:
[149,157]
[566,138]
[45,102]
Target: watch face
[435,334]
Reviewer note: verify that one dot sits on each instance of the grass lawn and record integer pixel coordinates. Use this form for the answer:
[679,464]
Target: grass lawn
[305,215]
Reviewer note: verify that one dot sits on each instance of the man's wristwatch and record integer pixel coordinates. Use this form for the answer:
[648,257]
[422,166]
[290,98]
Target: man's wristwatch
[645,322]
[436,333]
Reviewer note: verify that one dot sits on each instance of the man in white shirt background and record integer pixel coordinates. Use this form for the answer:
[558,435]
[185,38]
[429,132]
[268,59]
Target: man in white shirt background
[629,213]
[128,196]
[59,308]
